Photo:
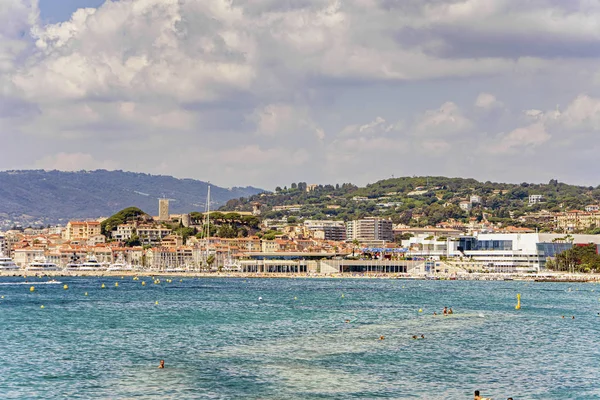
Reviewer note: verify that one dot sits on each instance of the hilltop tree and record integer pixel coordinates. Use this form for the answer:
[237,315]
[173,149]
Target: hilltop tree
[126,215]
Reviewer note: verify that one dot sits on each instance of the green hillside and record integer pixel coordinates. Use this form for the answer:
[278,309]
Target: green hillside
[430,199]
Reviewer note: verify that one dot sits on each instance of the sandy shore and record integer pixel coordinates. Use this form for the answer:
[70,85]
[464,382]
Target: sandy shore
[594,278]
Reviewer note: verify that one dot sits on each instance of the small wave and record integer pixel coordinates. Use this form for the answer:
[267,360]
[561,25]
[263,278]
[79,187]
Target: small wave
[31,283]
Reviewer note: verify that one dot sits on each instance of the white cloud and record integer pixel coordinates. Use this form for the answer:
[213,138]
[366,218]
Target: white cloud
[280,120]
[269,80]
[487,101]
[530,136]
[446,120]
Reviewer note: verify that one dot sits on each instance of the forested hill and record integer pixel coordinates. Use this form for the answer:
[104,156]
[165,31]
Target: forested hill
[55,195]
[434,198]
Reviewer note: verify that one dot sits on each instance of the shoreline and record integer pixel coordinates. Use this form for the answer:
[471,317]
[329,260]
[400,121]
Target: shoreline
[588,278]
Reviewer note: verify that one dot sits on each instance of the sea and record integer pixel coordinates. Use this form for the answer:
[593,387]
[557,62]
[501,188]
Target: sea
[297,338]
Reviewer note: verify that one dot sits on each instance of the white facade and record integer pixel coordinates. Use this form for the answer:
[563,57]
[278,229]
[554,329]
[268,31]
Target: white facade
[535,198]
[503,252]
[474,199]
[23,257]
[123,232]
[465,205]
[592,208]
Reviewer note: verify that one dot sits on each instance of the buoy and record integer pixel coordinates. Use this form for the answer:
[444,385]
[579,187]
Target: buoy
[42,306]
[295,298]
[103,286]
[181,280]
[420,310]
[135,278]
[518,306]
[259,298]
[116,284]
[2,296]
[65,287]
[156,302]
[31,289]
[342,295]
[143,283]
[86,293]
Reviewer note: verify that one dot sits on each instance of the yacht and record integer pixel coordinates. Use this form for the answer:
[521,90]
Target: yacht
[40,264]
[91,264]
[7,264]
[120,265]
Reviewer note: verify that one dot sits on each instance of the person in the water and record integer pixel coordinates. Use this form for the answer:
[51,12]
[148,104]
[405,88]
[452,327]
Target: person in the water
[162,364]
[445,311]
[450,311]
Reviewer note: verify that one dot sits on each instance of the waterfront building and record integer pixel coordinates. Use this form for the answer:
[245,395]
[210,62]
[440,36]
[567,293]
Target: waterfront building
[22,257]
[370,229]
[500,252]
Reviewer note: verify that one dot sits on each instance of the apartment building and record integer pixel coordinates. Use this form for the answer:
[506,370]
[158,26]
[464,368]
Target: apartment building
[370,229]
[81,230]
[573,221]
[326,230]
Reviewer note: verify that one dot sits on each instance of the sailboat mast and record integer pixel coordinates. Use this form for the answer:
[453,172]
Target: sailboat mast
[208,213]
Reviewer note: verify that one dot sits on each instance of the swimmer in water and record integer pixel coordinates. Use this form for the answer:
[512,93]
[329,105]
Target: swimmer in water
[434,313]
[414,336]
[162,364]
[381,337]
[445,311]
[422,336]
[450,311]
[347,321]
[573,317]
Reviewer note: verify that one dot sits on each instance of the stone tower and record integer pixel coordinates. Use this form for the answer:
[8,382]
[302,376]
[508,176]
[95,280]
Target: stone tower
[256,208]
[163,209]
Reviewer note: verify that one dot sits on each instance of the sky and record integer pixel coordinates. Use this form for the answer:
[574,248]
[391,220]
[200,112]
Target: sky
[270,92]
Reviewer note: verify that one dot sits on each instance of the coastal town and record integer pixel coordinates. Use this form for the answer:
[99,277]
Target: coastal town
[171,242]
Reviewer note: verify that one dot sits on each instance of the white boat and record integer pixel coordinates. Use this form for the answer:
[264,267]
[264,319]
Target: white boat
[7,264]
[91,264]
[40,264]
[120,265]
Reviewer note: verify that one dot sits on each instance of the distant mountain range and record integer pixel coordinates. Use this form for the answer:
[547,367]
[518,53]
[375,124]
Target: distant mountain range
[51,196]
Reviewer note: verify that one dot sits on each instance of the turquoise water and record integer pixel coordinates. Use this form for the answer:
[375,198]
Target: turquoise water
[220,342]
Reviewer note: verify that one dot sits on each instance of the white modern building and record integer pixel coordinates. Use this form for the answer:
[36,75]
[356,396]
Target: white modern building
[501,252]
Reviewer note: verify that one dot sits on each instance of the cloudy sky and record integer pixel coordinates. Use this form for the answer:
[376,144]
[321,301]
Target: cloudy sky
[269,92]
